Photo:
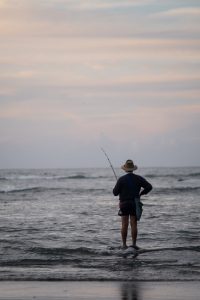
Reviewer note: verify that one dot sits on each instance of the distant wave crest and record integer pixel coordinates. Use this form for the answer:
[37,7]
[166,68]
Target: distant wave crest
[31,189]
[49,177]
[3,179]
[175,190]
[175,175]
[49,189]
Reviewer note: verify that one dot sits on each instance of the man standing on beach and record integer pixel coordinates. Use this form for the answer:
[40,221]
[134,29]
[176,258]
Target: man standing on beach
[128,187]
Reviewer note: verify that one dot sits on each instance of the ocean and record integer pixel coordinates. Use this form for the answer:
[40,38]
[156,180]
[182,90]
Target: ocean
[62,224]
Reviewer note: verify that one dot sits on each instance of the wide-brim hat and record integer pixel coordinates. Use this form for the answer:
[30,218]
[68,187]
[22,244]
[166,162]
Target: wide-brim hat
[129,166]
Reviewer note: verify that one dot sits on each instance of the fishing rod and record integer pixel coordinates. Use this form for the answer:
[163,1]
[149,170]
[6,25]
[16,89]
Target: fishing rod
[109,162]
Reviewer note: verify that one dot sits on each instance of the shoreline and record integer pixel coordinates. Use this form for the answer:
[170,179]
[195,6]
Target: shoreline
[99,290]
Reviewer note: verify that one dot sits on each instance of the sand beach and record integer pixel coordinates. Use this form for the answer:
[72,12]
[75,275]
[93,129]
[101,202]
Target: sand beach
[39,290]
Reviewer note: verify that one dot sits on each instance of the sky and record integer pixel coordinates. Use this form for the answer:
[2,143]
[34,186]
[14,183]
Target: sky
[78,75]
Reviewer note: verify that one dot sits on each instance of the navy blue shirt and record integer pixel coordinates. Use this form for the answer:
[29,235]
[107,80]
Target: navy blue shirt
[129,187]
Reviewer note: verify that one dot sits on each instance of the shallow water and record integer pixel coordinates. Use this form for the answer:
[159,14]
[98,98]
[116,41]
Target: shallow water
[63,225]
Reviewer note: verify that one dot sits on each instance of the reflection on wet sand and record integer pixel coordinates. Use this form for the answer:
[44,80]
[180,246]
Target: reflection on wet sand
[129,291]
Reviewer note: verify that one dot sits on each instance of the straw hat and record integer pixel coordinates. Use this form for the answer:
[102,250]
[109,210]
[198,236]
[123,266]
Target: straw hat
[129,166]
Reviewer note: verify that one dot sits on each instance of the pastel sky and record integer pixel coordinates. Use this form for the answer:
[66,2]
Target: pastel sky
[77,75]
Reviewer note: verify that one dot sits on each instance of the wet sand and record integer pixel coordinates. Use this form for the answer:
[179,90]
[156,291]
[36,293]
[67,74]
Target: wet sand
[47,290]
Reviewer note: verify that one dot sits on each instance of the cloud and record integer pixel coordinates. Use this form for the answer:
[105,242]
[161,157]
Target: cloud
[181,12]
[143,120]
[153,121]
[100,18]
[90,5]
[85,71]
[66,18]
[98,62]
[33,110]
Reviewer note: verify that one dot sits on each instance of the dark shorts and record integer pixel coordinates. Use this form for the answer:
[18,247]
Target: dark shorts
[127,208]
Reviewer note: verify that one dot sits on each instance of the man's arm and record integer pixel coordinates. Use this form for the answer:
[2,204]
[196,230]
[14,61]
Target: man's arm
[116,189]
[147,187]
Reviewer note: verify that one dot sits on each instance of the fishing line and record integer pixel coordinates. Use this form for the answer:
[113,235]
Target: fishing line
[109,162]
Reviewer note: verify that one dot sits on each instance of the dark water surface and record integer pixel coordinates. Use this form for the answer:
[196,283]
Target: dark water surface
[62,224]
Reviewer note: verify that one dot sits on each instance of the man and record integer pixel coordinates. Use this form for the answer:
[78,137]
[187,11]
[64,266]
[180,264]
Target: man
[129,187]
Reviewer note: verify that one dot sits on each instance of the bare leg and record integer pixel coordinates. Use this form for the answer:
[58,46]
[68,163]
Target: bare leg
[124,229]
[133,222]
